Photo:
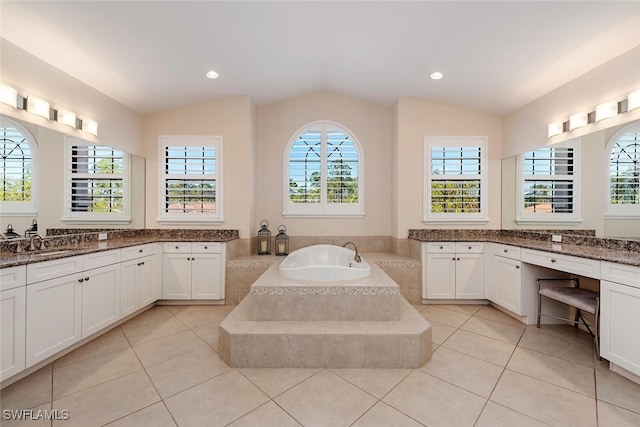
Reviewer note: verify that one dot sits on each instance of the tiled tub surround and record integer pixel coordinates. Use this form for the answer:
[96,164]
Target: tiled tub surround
[302,324]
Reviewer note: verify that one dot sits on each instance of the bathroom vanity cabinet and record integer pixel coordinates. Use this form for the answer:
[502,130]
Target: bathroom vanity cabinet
[193,270]
[140,277]
[454,270]
[13,282]
[504,278]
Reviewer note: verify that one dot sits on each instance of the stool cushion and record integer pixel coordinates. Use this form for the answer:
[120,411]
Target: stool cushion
[576,297]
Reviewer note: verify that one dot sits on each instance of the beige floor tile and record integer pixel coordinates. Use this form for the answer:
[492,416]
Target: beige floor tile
[496,330]
[492,313]
[487,349]
[469,309]
[107,402]
[216,402]
[33,417]
[377,382]
[325,400]
[554,370]
[440,332]
[114,340]
[158,313]
[275,381]
[383,415]
[545,402]
[201,314]
[209,332]
[176,375]
[155,415]
[91,372]
[617,390]
[613,416]
[467,372]
[560,341]
[495,415]
[434,402]
[446,317]
[148,331]
[268,414]
[29,392]
[169,347]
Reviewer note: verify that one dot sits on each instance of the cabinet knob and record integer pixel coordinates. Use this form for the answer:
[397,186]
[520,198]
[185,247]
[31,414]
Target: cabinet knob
[188,259]
[469,247]
[441,247]
[81,280]
[454,258]
[206,247]
[458,259]
[553,260]
[86,279]
[140,250]
[177,247]
[505,251]
[517,266]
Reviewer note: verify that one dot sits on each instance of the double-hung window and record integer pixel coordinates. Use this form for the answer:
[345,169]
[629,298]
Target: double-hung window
[18,151]
[97,183]
[324,173]
[623,153]
[455,179]
[548,184]
[190,179]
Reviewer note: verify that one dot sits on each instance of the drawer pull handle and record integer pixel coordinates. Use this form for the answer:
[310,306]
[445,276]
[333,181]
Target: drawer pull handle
[140,250]
[86,279]
[441,247]
[81,280]
[469,247]
[505,251]
[553,260]
[140,263]
[177,247]
[206,247]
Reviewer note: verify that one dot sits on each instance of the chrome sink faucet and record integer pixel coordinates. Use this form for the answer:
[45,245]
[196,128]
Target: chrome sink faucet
[358,258]
[32,245]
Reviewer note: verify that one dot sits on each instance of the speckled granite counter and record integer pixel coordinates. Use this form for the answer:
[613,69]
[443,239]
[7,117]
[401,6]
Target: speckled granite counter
[613,250]
[65,245]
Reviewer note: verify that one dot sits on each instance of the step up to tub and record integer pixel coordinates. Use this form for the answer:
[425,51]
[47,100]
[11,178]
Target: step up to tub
[401,343]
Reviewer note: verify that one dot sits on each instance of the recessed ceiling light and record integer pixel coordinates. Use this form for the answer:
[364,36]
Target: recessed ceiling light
[437,75]
[212,74]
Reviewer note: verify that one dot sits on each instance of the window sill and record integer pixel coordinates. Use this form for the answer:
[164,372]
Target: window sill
[323,215]
[548,221]
[99,221]
[460,221]
[182,221]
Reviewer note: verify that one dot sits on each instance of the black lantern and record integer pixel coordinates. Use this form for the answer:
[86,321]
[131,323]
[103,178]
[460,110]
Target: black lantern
[282,241]
[264,239]
[33,230]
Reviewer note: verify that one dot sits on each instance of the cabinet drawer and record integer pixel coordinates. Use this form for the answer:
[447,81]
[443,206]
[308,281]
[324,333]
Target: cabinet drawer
[138,251]
[206,248]
[621,273]
[569,264]
[177,248]
[45,270]
[469,247]
[100,259]
[441,247]
[13,277]
[506,251]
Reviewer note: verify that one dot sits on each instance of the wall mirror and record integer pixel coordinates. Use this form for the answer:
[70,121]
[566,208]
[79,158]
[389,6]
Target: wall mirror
[76,184]
[593,175]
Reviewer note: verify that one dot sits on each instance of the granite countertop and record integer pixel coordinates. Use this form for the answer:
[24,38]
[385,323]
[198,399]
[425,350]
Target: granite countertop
[65,245]
[613,250]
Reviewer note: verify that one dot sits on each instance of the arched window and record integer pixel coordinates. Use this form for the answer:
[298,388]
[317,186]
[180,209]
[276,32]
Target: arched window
[623,153]
[324,172]
[18,152]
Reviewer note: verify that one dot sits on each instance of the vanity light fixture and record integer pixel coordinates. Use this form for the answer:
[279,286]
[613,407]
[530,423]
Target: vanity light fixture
[8,95]
[578,120]
[66,117]
[606,110]
[38,106]
[555,128]
[633,100]
[436,75]
[90,126]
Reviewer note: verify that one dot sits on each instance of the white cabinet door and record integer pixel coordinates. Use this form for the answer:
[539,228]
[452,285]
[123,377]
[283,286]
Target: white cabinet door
[441,276]
[100,298]
[506,284]
[128,297]
[54,313]
[205,276]
[147,280]
[12,331]
[620,325]
[176,276]
[469,276]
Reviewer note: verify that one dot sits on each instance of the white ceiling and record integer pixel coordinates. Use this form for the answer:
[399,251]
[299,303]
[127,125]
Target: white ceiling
[152,55]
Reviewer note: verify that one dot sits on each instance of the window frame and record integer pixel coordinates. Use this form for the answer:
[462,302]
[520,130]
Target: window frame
[323,209]
[23,208]
[191,141]
[574,217]
[69,216]
[618,211]
[430,217]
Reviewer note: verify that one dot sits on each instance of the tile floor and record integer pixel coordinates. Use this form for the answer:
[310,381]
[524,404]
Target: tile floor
[161,369]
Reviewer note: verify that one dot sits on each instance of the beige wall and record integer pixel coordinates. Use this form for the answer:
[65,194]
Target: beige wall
[526,128]
[371,125]
[416,119]
[234,120]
